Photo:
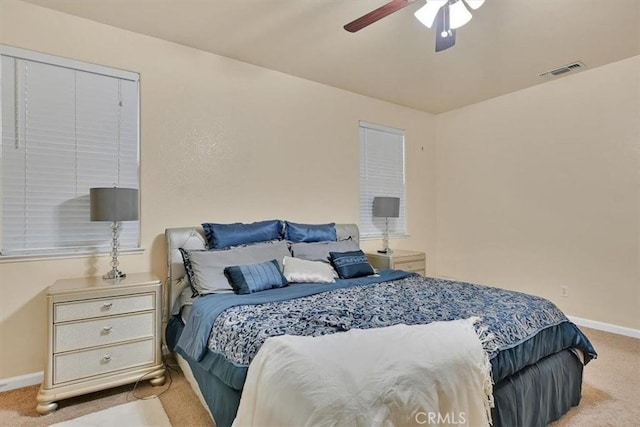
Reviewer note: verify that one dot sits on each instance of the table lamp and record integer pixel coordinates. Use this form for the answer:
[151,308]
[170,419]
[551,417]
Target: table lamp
[386,207]
[115,205]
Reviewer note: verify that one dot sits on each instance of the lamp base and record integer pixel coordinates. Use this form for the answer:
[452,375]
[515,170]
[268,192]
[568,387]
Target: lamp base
[114,275]
[385,240]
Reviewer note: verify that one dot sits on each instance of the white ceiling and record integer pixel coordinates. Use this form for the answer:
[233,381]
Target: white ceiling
[503,49]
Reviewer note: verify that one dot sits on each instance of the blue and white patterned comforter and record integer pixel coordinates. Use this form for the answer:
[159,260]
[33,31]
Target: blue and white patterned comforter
[526,328]
[511,317]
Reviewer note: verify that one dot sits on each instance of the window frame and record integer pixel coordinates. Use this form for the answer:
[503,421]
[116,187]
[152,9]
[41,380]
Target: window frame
[72,64]
[403,233]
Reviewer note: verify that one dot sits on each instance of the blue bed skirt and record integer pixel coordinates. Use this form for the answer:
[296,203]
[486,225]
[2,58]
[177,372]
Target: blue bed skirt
[532,397]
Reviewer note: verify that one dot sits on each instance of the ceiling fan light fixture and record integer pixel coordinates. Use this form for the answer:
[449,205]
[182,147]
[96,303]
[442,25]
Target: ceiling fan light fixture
[427,13]
[458,15]
[446,15]
[474,4]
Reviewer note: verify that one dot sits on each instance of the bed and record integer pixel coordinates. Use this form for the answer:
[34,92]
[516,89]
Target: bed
[536,360]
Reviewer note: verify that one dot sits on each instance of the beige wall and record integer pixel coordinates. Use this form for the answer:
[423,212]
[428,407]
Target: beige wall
[535,190]
[221,141]
[540,189]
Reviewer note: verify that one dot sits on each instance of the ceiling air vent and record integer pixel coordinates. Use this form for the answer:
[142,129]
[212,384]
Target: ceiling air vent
[574,66]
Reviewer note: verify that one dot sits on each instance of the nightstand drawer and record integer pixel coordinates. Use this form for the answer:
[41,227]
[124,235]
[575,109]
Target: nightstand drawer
[410,265]
[78,335]
[88,309]
[82,364]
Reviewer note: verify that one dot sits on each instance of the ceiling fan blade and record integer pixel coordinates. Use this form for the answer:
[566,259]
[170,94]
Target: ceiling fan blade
[376,15]
[442,26]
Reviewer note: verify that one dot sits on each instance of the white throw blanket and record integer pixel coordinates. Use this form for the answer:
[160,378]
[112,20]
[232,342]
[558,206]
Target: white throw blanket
[435,374]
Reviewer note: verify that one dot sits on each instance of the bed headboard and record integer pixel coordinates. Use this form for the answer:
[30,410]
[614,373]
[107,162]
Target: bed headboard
[193,238]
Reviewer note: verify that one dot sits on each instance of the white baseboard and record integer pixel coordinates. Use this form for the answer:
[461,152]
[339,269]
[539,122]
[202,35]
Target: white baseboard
[607,327]
[13,383]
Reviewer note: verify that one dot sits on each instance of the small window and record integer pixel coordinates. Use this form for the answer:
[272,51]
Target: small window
[67,126]
[381,174]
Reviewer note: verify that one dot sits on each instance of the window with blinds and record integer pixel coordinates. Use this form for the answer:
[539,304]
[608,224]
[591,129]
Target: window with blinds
[67,126]
[381,174]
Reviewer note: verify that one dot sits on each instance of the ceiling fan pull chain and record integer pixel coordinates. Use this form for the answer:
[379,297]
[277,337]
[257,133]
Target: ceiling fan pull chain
[445,21]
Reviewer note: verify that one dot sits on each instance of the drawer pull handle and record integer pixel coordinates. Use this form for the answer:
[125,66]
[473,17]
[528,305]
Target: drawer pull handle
[107,329]
[107,305]
[106,358]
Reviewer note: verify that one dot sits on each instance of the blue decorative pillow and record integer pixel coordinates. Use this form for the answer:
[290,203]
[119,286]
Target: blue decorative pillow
[298,233]
[220,236]
[247,279]
[351,264]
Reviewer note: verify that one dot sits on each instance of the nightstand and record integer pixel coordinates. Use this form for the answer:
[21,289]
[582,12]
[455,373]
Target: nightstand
[399,260]
[101,334]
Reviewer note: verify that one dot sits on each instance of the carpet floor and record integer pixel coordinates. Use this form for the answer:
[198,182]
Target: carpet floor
[610,394]
[18,407]
[141,413]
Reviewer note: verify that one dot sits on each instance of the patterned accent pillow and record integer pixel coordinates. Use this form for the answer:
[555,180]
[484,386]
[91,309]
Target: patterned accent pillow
[297,233]
[247,279]
[220,236]
[189,270]
[351,264]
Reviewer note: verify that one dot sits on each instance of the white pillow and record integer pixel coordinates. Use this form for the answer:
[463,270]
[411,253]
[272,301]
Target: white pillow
[298,270]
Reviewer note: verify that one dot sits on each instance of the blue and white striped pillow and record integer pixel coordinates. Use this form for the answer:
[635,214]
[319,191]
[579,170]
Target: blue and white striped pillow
[247,279]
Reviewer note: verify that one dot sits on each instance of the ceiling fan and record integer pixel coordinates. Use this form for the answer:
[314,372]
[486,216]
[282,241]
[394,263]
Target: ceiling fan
[448,15]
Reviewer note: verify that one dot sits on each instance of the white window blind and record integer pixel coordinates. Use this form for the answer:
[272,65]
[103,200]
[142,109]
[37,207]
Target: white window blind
[64,131]
[381,174]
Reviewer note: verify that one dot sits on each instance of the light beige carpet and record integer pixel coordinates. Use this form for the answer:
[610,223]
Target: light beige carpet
[610,395]
[611,384]
[18,407]
[140,413]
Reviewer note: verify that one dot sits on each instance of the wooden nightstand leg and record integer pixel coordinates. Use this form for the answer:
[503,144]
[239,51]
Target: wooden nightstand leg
[158,379]
[46,405]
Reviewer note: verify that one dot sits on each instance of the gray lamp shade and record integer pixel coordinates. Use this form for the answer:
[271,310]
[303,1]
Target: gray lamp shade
[386,207]
[114,204]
